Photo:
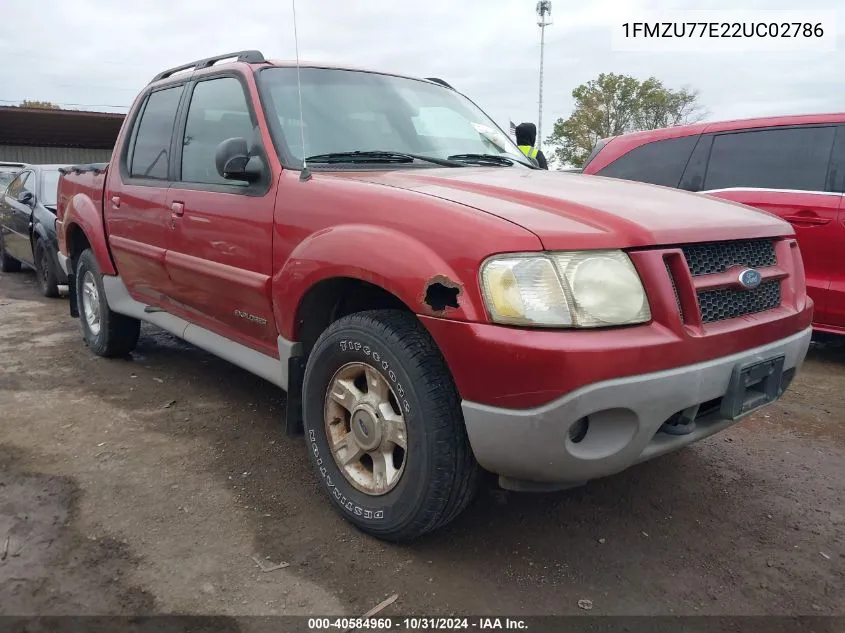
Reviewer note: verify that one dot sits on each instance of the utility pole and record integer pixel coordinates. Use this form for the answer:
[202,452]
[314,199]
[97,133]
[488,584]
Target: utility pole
[544,19]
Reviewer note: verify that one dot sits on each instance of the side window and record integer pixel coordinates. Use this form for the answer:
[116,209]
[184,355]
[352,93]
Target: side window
[17,186]
[793,158]
[658,163]
[218,111]
[30,184]
[151,153]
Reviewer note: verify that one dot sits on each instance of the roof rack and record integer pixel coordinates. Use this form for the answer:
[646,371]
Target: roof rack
[249,57]
[437,80]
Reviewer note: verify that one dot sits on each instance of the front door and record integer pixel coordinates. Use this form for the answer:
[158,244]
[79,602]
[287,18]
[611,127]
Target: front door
[220,244]
[135,204]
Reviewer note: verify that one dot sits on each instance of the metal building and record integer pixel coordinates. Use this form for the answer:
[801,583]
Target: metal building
[52,136]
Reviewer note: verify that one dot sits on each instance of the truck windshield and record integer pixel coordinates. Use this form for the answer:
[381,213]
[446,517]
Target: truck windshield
[356,111]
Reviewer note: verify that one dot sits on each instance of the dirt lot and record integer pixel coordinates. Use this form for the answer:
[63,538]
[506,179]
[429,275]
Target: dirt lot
[147,485]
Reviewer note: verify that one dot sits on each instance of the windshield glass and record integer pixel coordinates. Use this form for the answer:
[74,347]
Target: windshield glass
[348,111]
[49,188]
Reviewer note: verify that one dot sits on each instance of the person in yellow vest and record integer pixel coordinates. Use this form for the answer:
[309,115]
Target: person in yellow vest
[526,137]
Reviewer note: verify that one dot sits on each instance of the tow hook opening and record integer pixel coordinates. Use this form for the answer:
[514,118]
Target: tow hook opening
[578,430]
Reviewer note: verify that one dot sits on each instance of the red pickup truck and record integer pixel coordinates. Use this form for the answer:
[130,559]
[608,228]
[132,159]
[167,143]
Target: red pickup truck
[433,304]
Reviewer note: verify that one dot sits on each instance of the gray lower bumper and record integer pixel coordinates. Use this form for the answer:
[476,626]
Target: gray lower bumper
[534,445]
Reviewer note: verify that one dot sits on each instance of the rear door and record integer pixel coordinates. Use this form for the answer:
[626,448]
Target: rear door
[135,203]
[784,171]
[220,241]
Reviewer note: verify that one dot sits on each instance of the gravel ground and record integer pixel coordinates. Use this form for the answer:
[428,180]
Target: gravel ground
[147,485]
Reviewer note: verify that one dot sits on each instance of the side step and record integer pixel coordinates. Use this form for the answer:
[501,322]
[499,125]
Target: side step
[271,369]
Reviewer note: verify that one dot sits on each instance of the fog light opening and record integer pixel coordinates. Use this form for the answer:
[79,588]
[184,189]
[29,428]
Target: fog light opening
[578,430]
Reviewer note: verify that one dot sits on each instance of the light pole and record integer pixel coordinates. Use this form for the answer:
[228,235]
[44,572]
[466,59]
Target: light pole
[544,19]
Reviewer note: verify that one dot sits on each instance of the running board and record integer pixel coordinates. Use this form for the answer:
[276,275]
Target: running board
[270,369]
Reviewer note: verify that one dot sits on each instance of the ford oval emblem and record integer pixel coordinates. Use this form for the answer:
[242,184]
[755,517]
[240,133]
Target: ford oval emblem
[750,278]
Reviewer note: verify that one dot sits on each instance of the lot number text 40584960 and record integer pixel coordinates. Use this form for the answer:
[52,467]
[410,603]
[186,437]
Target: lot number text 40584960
[417,624]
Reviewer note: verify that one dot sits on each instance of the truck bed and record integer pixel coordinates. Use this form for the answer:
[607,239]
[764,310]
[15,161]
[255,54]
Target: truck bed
[88,180]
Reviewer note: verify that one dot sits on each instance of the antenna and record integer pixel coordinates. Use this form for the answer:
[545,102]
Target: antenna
[544,19]
[305,174]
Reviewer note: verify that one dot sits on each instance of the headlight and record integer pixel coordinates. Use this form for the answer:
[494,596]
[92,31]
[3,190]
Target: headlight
[574,289]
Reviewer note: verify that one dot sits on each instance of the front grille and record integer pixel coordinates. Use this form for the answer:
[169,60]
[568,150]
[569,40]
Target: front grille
[717,257]
[730,303]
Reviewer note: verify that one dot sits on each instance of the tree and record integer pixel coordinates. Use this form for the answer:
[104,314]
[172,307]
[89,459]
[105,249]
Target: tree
[615,104]
[39,104]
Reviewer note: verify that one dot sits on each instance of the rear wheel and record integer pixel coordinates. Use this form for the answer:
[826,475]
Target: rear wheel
[7,264]
[384,426]
[106,332]
[47,278]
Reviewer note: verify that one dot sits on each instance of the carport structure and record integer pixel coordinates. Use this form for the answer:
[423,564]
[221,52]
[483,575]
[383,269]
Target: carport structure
[50,136]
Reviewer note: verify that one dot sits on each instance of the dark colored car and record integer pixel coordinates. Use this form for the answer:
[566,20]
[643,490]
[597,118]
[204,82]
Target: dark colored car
[28,226]
[790,166]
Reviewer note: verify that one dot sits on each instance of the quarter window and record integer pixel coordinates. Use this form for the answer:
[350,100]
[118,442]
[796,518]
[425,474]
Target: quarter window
[786,158]
[151,153]
[658,163]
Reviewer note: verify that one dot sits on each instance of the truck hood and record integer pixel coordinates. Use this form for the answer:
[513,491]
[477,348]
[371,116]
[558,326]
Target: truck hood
[567,210]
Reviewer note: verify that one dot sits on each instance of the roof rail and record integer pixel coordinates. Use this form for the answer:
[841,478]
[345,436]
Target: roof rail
[437,80]
[249,57]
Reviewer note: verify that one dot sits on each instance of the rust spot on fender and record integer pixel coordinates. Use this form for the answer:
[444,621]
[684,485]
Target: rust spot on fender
[441,293]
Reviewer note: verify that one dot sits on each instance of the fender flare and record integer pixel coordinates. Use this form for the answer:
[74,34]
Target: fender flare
[82,214]
[394,261]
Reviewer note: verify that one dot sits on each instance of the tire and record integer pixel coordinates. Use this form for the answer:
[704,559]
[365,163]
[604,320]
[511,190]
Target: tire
[106,332]
[437,473]
[47,278]
[7,264]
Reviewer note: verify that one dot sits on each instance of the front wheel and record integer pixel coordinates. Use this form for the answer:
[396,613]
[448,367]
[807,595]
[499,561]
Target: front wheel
[384,426]
[106,332]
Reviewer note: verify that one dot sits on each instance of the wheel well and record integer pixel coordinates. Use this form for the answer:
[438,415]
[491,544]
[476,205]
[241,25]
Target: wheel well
[332,299]
[77,242]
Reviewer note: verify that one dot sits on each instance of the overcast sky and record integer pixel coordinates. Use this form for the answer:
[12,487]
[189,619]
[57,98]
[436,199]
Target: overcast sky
[99,53]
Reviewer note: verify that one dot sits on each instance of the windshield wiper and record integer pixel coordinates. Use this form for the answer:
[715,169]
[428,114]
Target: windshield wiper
[378,156]
[483,159]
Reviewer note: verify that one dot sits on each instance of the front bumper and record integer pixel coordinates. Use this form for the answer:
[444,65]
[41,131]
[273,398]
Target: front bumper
[625,415]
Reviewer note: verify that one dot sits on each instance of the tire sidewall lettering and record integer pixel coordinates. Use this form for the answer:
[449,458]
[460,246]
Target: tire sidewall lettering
[378,361]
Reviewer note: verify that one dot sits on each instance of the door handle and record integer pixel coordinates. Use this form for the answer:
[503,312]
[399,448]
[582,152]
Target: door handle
[177,209]
[809,220]
[115,202]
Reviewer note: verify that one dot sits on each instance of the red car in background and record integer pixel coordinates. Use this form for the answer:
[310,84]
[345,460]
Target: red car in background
[791,166]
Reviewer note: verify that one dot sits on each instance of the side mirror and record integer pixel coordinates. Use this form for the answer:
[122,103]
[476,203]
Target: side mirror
[26,197]
[234,162]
